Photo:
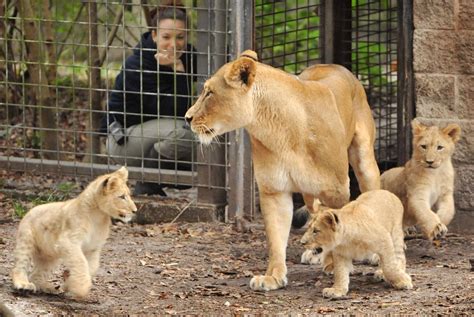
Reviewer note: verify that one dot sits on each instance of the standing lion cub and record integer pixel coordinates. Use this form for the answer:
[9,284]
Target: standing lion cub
[72,233]
[371,224]
[425,184]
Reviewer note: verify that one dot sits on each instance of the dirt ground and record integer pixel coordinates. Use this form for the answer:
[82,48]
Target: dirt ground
[205,268]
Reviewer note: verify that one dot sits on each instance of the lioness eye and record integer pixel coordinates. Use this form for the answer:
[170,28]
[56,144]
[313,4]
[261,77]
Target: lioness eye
[122,197]
[423,146]
[440,147]
[315,230]
[208,93]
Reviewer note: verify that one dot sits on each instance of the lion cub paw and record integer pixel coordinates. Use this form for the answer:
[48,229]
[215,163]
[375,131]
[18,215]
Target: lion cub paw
[25,286]
[438,232]
[267,283]
[50,288]
[404,282]
[332,292]
[378,276]
[309,257]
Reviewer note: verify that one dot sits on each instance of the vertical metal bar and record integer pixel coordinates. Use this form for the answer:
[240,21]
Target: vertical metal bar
[241,193]
[342,45]
[211,39]
[406,93]
[327,30]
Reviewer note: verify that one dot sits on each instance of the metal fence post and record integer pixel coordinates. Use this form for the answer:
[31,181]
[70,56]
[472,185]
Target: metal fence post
[241,183]
[211,45]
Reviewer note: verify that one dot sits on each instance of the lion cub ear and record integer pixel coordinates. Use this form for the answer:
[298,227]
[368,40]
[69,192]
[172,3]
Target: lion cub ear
[417,127]
[453,131]
[242,71]
[330,219]
[122,173]
[111,183]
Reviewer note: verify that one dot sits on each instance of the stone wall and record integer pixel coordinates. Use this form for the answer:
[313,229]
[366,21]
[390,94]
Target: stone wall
[443,62]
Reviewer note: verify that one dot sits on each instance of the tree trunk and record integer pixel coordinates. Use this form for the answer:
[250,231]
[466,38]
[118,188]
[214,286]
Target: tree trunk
[39,79]
[95,98]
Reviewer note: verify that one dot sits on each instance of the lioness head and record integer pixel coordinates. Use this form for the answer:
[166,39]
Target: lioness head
[113,196]
[225,103]
[433,145]
[323,232]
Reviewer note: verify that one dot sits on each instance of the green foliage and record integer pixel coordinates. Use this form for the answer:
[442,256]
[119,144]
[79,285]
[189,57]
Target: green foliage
[287,35]
[19,210]
[367,57]
[60,193]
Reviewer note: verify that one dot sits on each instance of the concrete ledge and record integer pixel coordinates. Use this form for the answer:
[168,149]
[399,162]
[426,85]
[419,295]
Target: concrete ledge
[153,211]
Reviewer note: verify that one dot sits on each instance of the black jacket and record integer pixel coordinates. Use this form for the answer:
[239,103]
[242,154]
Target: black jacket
[144,89]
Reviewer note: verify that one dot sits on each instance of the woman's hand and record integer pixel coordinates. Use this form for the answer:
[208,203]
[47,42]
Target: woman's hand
[169,59]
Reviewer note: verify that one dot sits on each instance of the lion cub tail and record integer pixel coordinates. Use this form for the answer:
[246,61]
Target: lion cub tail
[300,217]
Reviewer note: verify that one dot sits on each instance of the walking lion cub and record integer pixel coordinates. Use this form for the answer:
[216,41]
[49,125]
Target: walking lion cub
[72,233]
[372,224]
[426,183]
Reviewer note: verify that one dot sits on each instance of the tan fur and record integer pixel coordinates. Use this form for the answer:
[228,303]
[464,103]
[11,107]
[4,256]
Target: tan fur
[371,224]
[72,233]
[426,190]
[304,132]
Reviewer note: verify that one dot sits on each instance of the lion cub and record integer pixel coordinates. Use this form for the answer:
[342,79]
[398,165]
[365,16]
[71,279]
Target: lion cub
[425,184]
[371,224]
[72,233]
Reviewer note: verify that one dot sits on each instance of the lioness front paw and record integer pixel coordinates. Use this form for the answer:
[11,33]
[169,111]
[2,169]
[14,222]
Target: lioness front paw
[25,286]
[309,257]
[267,283]
[438,232]
[404,282]
[332,292]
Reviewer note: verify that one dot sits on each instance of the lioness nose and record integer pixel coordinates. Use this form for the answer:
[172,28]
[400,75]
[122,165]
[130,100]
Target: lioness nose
[429,162]
[188,120]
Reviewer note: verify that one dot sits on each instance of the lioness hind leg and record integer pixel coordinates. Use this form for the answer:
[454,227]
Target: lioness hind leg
[362,160]
[277,212]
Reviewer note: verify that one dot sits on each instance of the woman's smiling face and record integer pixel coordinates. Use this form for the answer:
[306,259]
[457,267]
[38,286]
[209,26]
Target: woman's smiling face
[170,37]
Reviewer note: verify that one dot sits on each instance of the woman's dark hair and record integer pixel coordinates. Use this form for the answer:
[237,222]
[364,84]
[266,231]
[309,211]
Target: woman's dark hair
[168,9]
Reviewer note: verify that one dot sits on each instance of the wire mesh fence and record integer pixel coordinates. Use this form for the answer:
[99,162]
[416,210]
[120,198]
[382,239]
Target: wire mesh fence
[66,77]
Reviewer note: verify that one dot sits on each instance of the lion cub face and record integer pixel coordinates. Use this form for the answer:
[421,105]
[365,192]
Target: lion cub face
[433,145]
[225,103]
[114,196]
[322,233]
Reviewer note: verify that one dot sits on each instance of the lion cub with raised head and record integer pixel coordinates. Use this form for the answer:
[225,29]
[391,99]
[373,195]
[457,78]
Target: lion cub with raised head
[425,184]
[371,224]
[72,233]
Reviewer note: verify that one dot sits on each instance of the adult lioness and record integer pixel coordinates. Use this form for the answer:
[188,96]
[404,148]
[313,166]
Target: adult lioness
[304,132]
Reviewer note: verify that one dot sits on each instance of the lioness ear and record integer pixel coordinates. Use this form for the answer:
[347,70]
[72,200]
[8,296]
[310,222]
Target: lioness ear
[453,131]
[417,127]
[241,73]
[331,219]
